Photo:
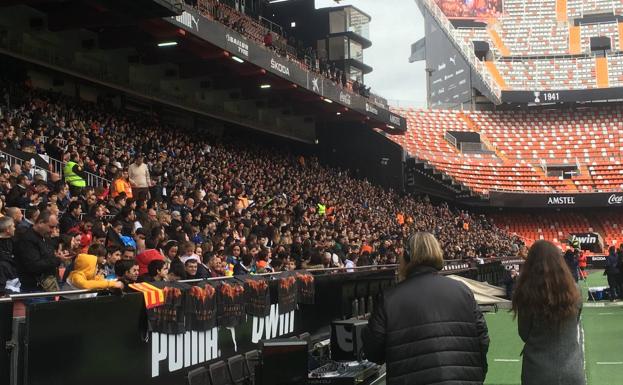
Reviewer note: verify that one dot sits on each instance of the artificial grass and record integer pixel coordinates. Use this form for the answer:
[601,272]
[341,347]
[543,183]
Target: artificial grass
[603,328]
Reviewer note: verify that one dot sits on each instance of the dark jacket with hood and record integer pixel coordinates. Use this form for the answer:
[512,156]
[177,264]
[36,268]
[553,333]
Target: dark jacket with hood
[429,330]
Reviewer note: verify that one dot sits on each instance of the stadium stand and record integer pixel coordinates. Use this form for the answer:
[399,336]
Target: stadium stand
[579,8]
[523,144]
[555,226]
[537,45]
[225,206]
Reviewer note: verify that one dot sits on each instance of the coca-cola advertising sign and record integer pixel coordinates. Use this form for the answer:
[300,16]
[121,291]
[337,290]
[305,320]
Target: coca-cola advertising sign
[615,199]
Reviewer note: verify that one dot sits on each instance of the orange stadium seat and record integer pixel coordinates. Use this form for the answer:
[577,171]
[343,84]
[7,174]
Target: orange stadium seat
[535,44]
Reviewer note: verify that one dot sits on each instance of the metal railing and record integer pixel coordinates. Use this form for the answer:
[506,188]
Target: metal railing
[450,266]
[56,166]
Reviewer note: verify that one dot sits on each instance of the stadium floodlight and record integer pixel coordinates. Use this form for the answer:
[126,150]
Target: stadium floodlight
[293,24]
[265,86]
[276,1]
[236,58]
[328,100]
[167,44]
[338,113]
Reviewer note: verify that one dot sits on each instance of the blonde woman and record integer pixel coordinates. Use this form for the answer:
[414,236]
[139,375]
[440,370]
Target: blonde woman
[428,328]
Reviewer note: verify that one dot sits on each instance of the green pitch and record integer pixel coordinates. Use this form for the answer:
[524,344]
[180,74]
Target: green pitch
[603,329]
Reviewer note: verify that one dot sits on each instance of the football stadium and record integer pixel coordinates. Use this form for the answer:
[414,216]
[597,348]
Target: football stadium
[214,192]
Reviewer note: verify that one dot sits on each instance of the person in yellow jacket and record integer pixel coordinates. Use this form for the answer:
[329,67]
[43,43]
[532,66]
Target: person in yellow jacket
[84,274]
[322,209]
[75,176]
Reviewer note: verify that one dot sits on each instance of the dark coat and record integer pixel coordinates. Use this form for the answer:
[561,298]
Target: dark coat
[551,356]
[429,330]
[34,256]
[67,222]
[572,262]
[8,268]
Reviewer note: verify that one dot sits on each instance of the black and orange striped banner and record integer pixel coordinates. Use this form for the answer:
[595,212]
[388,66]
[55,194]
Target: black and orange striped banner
[153,296]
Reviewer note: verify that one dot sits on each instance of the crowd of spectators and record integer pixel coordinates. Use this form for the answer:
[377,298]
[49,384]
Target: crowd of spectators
[185,205]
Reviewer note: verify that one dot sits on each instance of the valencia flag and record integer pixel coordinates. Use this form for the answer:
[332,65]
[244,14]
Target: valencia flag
[153,296]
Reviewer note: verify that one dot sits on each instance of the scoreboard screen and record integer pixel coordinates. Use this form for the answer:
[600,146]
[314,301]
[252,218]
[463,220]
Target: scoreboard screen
[470,9]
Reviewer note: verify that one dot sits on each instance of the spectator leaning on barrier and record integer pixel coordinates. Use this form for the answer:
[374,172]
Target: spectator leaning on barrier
[157,270]
[127,272]
[84,275]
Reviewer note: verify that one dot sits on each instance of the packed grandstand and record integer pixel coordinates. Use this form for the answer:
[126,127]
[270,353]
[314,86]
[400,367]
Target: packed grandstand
[216,142]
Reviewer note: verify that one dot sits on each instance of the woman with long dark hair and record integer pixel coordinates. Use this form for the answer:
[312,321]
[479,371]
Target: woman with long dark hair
[547,303]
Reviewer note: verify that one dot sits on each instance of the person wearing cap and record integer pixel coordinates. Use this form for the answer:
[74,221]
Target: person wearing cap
[138,173]
[75,176]
[122,185]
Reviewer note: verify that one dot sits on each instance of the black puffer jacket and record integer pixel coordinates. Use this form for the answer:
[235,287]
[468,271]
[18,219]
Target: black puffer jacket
[429,330]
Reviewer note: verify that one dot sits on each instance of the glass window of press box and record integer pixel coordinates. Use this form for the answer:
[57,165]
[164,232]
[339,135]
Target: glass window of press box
[356,50]
[338,48]
[355,73]
[341,48]
[349,19]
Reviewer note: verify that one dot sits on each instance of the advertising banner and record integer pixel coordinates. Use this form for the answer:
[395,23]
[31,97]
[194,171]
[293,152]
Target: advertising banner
[449,74]
[527,200]
[589,241]
[248,50]
[561,96]
[108,338]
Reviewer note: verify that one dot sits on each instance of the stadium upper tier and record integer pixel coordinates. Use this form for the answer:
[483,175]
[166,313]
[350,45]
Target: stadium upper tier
[545,45]
[522,146]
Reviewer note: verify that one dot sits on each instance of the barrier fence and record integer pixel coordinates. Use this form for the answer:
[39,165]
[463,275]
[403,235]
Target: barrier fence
[113,336]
